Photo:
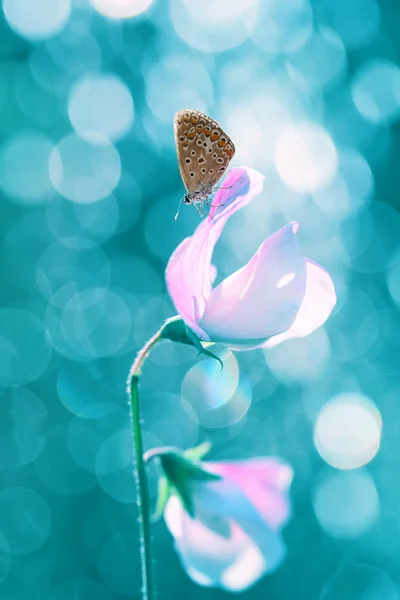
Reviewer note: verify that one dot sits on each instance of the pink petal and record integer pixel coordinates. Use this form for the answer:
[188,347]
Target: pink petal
[188,273]
[261,299]
[265,481]
[318,303]
[215,549]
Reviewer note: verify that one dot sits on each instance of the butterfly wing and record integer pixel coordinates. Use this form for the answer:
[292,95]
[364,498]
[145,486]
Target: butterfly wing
[204,151]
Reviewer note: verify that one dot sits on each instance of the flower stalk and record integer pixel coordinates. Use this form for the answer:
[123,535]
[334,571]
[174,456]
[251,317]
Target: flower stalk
[142,488]
[174,330]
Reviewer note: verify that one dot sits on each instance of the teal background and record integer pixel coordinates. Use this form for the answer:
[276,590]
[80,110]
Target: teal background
[89,187]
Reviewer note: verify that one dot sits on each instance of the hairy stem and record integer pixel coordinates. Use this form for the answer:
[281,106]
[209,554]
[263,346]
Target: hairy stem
[142,489]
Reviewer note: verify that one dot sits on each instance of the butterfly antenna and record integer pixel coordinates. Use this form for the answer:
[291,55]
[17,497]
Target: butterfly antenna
[179,208]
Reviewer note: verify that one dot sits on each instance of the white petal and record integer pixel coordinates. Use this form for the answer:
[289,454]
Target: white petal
[261,299]
[233,561]
[318,303]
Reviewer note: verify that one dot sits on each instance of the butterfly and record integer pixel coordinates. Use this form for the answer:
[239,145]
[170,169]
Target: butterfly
[204,153]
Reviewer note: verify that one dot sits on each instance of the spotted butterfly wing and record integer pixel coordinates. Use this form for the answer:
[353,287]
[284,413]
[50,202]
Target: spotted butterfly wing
[204,152]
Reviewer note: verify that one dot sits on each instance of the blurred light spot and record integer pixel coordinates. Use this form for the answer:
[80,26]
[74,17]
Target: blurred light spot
[36,102]
[114,467]
[121,9]
[356,581]
[256,123]
[96,529]
[76,51]
[299,360]
[351,190]
[84,172]
[370,239]
[100,105]
[347,433]
[70,265]
[162,240]
[322,60]
[5,558]
[171,71]
[21,437]
[213,26]
[80,588]
[284,26]
[118,563]
[129,199]
[356,21]
[376,91]
[305,157]
[25,519]
[359,326]
[167,419]
[24,349]
[97,221]
[83,443]
[216,398]
[393,277]
[37,20]
[56,469]
[346,503]
[148,314]
[27,153]
[96,322]
[81,392]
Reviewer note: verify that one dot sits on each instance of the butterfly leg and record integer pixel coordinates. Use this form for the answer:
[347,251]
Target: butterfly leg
[213,205]
[223,188]
[203,210]
[199,209]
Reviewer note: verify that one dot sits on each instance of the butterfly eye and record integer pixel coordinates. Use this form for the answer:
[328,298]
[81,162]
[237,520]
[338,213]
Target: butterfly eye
[187,161]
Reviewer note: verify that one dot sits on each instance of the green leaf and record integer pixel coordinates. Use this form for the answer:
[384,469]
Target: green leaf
[164,492]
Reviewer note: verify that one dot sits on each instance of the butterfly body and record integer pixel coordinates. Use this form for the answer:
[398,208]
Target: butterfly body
[204,153]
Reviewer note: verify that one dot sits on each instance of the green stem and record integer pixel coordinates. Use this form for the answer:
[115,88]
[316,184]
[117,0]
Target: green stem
[142,488]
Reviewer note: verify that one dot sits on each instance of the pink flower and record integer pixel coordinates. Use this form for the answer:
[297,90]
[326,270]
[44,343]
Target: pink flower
[233,538]
[279,294]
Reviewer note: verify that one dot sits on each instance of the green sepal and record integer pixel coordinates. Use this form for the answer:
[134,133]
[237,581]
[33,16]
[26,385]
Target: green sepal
[163,494]
[181,473]
[198,452]
[202,350]
[176,330]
